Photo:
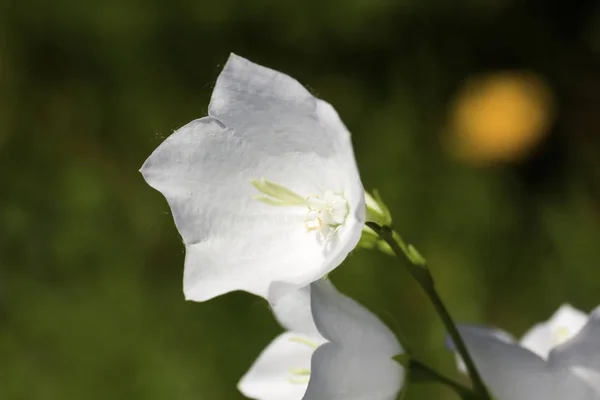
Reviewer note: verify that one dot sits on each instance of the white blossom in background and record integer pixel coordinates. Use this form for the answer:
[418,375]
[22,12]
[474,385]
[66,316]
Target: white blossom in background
[263,190]
[333,349]
[555,360]
[282,370]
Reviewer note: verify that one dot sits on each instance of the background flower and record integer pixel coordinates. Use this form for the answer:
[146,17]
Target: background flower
[282,370]
[357,362]
[558,359]
[351,351]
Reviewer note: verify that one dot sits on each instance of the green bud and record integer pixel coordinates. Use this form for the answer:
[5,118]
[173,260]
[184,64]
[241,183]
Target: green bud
[415,257]
[385,248]
[377,211]
[368,239]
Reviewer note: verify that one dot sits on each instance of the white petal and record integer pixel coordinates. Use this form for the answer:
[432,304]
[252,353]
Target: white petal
[265,125]
[539,340]
[510,371]
[270,377]
[343,321]
[278,114]
[248,97]
[481,330]
[251,261]
[583,350]
[233,241]
[347,169]
[591,378]
[565,323]
[292,310]
[340,373]
[577,384]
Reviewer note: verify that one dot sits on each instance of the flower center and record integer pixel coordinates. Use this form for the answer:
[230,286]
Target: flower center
[325,214]
[561,334]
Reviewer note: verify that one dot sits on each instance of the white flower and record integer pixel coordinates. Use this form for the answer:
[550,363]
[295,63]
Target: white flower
[263,190]
[351,351]
[282,370]
[555,360]
[561,327]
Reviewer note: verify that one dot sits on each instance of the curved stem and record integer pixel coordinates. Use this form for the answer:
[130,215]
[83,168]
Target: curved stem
[418,269]
[423,372]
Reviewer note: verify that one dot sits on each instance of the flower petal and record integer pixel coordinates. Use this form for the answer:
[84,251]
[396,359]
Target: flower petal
[248,96]
[543,337]
[279,116]
[271,378]
[510,371]
[583,350]
[577,383]
[263,124]
[249,262]
[591,379]
[274,110]
[343,321]
[481,330]
[233,242]
[340,373]
[292,310]
[538,340]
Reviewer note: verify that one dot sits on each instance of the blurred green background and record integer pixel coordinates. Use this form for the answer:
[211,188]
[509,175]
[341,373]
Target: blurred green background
[478,122]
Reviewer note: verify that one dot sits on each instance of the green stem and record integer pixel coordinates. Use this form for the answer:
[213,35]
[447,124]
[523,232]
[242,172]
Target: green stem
[418,269]
[422,372]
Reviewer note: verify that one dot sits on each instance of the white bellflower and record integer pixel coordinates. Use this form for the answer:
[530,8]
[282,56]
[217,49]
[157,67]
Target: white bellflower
[334,349]
[263,190]
[556,360]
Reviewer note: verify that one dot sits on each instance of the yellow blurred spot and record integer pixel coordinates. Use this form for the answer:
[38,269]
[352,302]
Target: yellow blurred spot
[499,117]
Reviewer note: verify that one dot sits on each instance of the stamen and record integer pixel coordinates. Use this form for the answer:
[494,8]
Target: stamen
[325,214]
[561,335]
[277,194]
[301,375]
[301,340]
[300,371]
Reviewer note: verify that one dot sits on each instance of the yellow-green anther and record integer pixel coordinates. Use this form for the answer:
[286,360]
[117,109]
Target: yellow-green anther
[276,195]
[300,371]
[325,213]
[301,340]
[299,375]
[269,200]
